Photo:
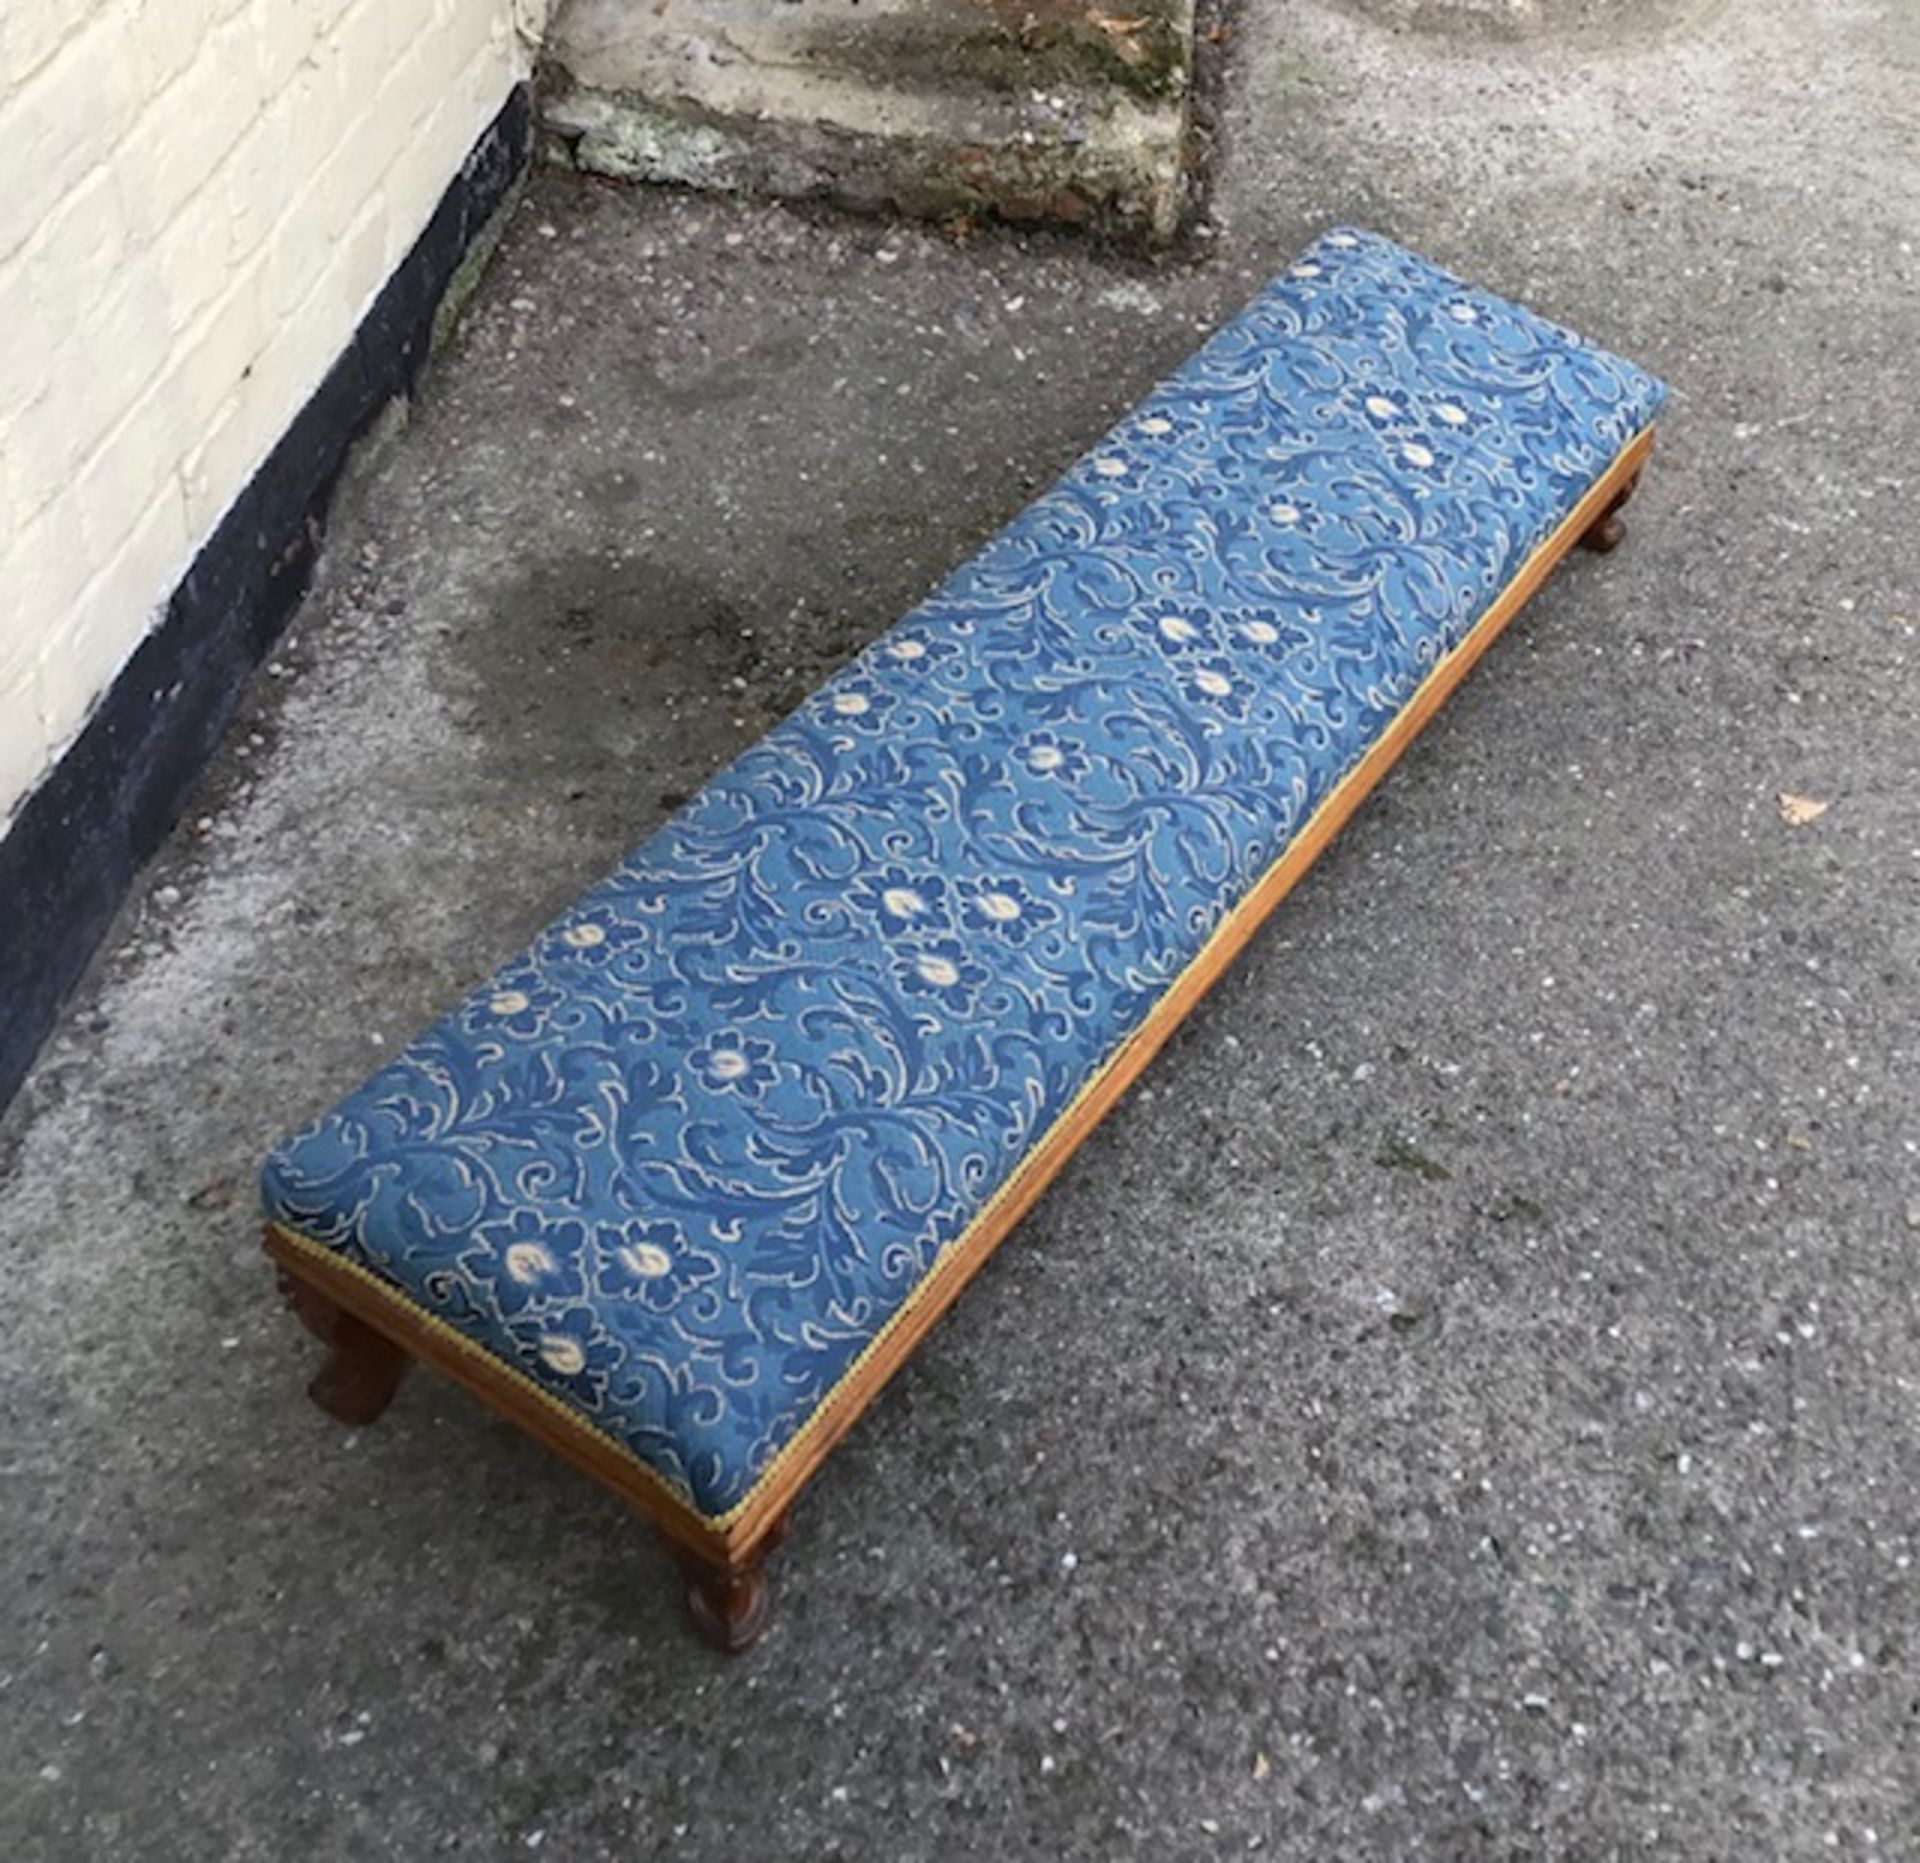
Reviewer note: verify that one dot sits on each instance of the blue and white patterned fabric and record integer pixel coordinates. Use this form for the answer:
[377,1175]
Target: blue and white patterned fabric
[681,1160]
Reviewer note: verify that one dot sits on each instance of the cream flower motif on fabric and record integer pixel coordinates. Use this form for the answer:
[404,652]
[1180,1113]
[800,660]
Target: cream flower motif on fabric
[730,1062]
[572,1350]
[946,971]
[901,898]
[855,705]
[1285,514]
[566,1356]
[1416,455]
[593,938]
[1452,415]
[1381,408]
[645,1261]
[917,653]
[526,1261]
[1111,467]
[1224,695]
[1156,426]
[1006,909]
[517,1003]
[1259,628]
[1173,626]
[1047,754]
[1463,313]
[651,1264]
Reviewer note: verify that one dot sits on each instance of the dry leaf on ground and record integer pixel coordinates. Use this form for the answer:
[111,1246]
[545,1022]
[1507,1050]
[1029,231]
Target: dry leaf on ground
[1798,811]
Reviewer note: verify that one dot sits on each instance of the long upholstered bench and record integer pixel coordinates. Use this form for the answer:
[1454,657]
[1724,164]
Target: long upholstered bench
[680,1186]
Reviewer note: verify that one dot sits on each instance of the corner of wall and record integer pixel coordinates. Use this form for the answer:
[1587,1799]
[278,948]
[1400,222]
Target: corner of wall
[81,832]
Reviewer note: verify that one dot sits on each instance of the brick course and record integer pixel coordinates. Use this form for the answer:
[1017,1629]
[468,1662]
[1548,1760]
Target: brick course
[204,197]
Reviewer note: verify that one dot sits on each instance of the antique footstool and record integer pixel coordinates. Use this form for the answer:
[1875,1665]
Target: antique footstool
[679,1187]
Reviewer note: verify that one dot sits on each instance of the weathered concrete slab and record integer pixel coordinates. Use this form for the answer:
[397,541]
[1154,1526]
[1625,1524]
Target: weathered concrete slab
[1063,110]
[1460,1409]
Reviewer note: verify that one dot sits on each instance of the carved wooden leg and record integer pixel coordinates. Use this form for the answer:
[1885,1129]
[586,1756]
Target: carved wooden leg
[363,1367]
[1608,531]
[729,1604]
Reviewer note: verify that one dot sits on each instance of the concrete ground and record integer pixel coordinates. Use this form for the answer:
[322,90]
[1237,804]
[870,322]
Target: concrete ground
[1465,1405]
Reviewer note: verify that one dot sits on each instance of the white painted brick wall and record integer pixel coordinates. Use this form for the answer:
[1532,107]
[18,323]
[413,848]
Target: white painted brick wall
[202,199]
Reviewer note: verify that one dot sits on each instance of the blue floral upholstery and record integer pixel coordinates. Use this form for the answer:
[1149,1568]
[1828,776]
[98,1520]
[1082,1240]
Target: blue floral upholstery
[681,1159]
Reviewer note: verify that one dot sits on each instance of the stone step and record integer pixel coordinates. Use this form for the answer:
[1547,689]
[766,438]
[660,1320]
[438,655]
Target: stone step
[1071,110]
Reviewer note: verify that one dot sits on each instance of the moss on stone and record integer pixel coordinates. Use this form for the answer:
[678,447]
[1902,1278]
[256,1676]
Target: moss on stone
[1142,48]
[471,269]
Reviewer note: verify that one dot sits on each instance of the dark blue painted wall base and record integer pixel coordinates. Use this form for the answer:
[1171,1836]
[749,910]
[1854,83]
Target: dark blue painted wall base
[76,843]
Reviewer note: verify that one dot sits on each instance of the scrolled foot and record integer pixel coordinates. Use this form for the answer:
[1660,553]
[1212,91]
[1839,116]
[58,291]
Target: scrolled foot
[730,1609]
[1609,530]
[1606,536]
[729,1604]
[363,1368]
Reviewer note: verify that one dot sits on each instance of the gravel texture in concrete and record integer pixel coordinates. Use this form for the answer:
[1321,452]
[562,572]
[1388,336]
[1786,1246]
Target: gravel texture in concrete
[1466,1404]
